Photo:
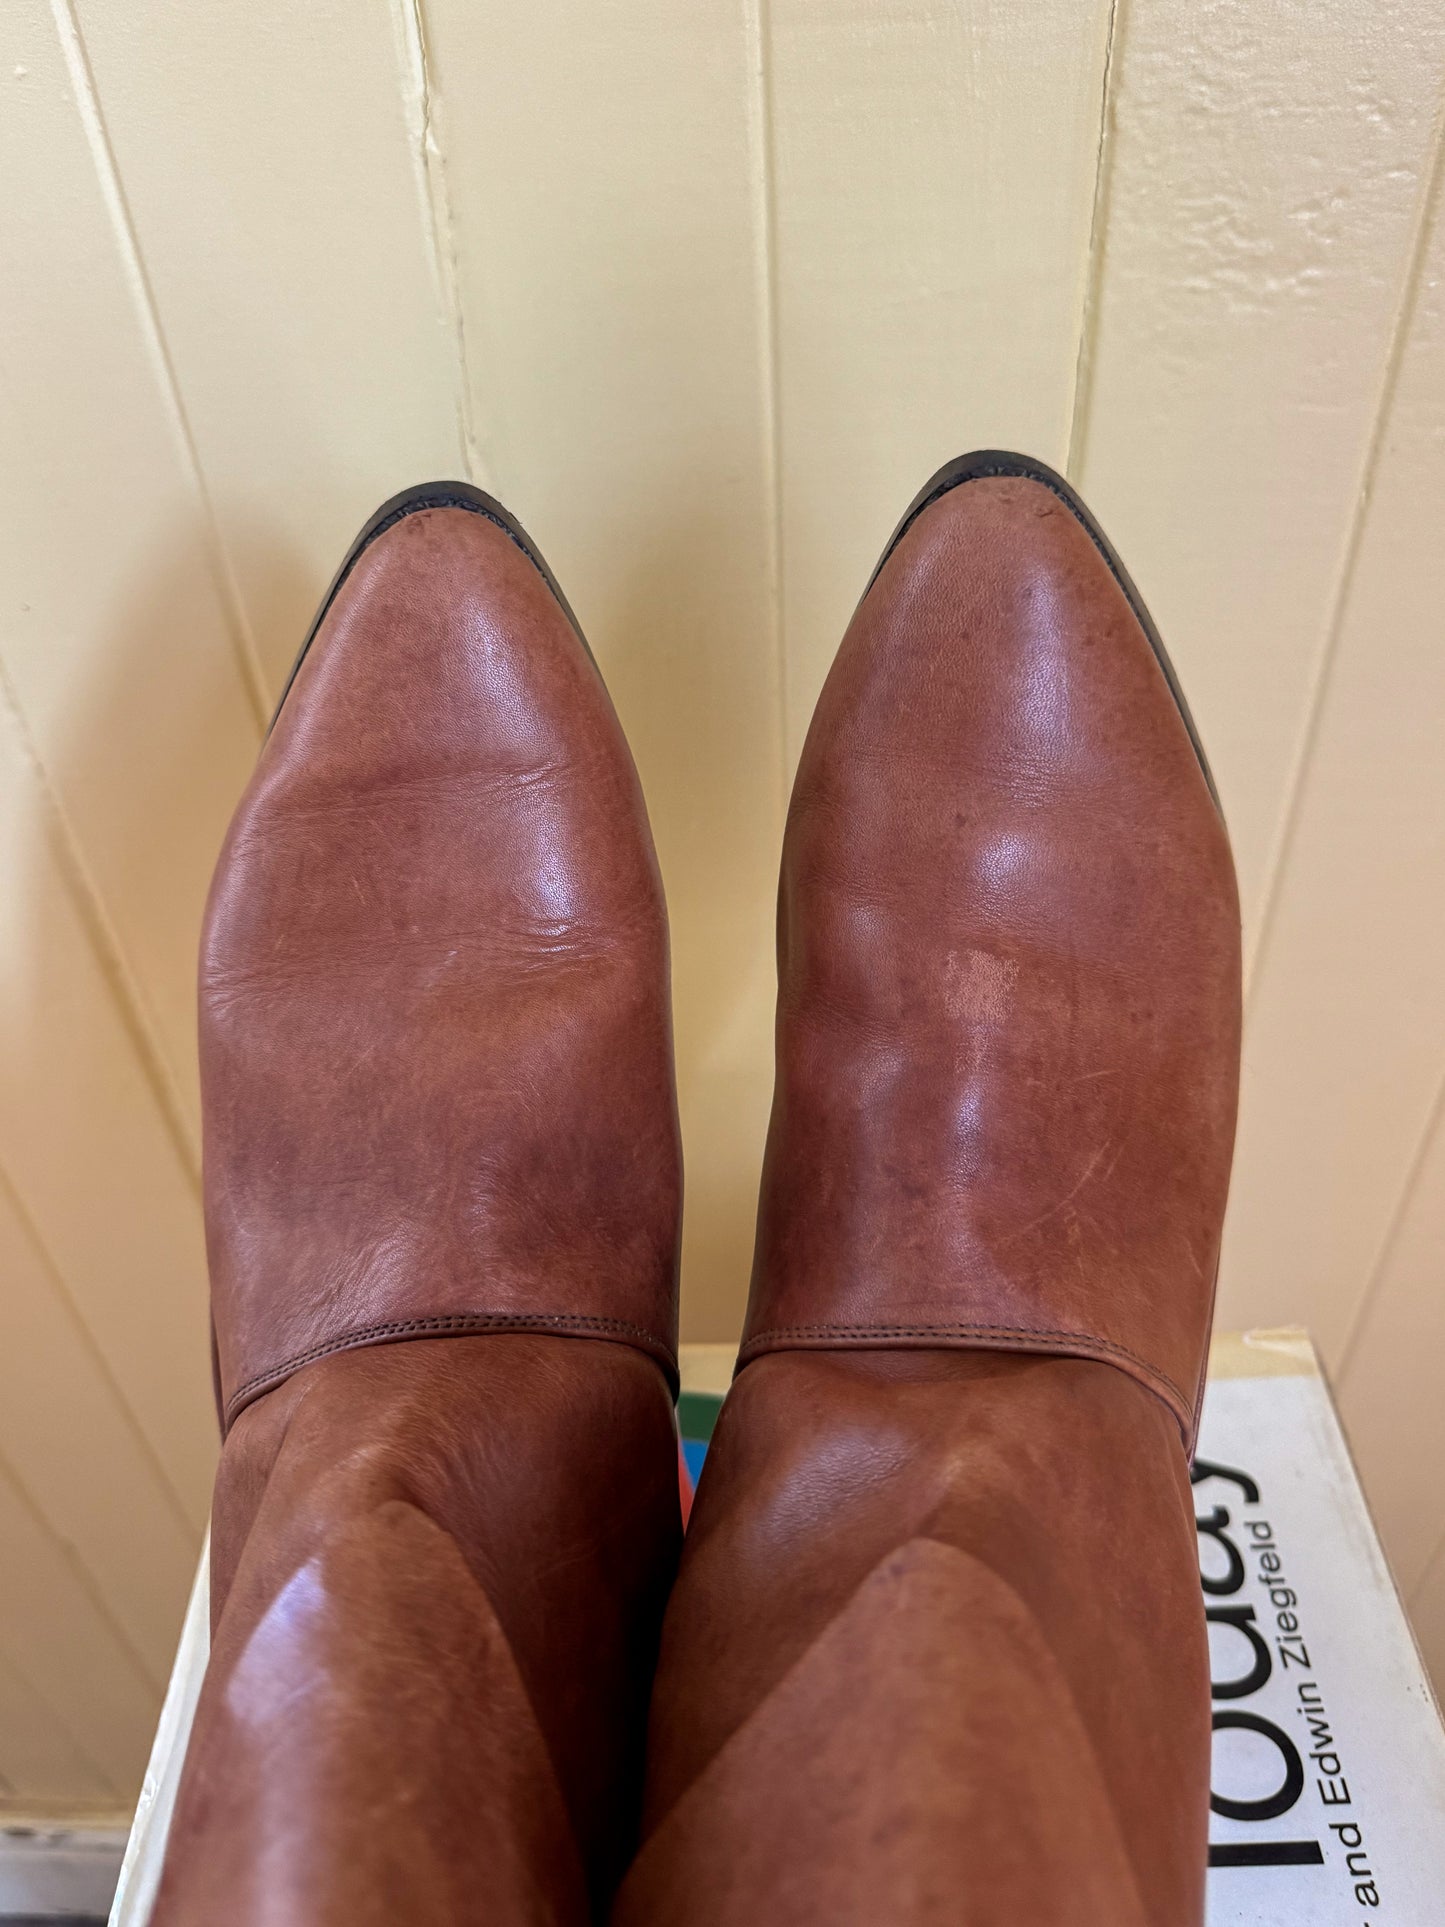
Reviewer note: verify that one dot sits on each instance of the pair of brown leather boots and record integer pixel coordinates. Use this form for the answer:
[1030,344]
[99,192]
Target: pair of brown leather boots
[935,1650]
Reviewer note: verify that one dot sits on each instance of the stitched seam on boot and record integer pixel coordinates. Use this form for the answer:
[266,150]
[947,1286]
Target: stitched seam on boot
[456,1323]
[761,1340]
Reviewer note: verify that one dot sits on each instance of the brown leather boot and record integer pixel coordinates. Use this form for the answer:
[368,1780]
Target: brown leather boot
[438,1094]
[936,1652]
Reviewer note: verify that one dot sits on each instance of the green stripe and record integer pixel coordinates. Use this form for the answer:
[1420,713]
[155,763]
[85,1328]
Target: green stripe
[697,1414]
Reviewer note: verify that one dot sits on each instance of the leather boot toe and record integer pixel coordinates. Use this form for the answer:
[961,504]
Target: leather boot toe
[1008,960]
[435,1041]
[443,1192]
[936,1652]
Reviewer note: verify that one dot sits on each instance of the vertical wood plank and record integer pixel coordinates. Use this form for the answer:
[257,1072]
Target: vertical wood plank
[65,1648]
[88,1150]
[1345,1039]
[1268,165]
[117,643]
[934,196]
[1427,1616]
[602,165]
[40,1763]
[68,1439]
[1389,1393]
[275,167]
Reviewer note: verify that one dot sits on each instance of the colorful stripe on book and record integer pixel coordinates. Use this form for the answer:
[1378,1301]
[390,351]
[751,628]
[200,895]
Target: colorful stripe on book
[696,1416]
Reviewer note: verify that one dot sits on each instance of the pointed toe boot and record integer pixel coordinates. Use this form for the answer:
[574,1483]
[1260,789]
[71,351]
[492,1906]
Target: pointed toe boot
[442,1190]
[936,1652]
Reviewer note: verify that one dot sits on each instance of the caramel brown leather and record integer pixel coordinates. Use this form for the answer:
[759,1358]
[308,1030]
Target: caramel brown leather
[436,1055]
[1009,978]
[936,1653]
[912,1725]
[438,1573]
[438,1106]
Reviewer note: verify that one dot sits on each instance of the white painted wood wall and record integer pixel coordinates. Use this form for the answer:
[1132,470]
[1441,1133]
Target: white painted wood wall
[704,291]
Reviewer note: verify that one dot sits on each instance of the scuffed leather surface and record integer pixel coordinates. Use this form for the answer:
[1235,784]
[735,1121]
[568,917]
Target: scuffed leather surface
[438,1576]
[438,1105]
[436,1051]
[1009,977]
[892,1776]
[936,1654]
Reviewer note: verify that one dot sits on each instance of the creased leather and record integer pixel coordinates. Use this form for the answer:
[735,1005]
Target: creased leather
[437,925]
[439,1107]
[896,1774]
[1009,977]
[438,1574]
[1023,1737]
[936,1652]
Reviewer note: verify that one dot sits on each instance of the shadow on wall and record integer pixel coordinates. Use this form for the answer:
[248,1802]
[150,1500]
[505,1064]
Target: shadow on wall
[709,764]
[160,739]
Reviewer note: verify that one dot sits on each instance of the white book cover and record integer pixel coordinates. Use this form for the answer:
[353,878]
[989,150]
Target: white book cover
[1328,1789]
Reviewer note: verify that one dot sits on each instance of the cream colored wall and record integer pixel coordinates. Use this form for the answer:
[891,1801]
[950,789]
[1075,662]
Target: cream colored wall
[704,292]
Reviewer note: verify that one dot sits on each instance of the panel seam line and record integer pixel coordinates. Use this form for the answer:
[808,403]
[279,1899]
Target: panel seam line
[1323,672]
[430,170]
[1081,403]
[1414,1172]
[112,189]
[1417,1591]
[69,1558]
[105,944]
[765,223]
[17,1670]
[92,1346]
